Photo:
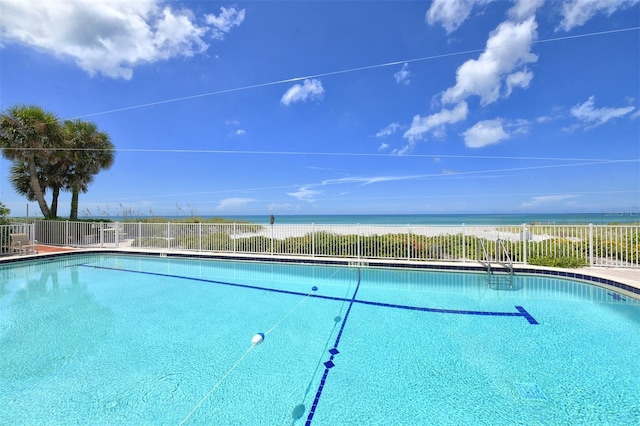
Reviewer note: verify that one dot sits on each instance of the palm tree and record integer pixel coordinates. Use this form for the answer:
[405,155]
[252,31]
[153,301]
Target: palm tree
[29,136]
[89,152]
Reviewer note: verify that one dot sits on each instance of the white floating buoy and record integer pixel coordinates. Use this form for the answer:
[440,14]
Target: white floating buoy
[257,339]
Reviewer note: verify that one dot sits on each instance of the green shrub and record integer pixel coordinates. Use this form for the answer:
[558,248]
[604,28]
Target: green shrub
[558,262]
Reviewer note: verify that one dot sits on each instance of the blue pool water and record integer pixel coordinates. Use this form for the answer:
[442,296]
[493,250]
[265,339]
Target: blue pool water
[138,340]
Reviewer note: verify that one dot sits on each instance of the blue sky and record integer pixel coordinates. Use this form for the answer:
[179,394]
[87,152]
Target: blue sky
[338,107]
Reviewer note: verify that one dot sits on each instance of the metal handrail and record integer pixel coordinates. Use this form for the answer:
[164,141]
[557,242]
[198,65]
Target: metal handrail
[485,256]
[509,264]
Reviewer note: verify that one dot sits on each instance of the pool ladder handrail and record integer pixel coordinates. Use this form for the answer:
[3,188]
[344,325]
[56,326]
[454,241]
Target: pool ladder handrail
[507,262]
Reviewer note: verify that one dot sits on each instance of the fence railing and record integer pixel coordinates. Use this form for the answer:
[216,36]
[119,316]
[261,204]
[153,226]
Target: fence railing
[15,228]
[595,245]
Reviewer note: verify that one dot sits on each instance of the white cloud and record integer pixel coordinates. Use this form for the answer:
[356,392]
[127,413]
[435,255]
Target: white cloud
[518,79]
[309,89]
[544,199]
[383,147]
[485,133]
[108,37]
[577,12]
[402,76]
[421,125]
[451,13]
[233,203]
[240,132]
[389,130]
[593,117]
[305,193]
[507,49]
[407,149]
[523,9]
[224,23]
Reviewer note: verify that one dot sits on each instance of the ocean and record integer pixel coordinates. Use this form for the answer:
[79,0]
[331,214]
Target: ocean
[450,219]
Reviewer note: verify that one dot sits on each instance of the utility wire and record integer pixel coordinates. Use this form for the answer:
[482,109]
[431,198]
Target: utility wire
[346,71]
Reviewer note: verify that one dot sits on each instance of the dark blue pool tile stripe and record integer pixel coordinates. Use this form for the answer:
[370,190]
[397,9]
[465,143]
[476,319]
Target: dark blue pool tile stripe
[318,296]
[205,280]
[527,315]
[316,400]
[333,351]
[521,312]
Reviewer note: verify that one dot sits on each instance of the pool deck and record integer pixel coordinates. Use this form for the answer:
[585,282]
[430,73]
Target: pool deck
[628,276]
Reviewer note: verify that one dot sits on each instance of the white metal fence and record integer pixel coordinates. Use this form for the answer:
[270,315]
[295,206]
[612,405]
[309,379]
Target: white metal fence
[596,245]
[15,228]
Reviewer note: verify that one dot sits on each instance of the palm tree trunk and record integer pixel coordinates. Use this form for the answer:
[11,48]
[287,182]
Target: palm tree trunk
[37,190]
[54,201]
[74,203]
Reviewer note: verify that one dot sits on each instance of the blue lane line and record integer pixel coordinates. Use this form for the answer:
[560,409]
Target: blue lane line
[521,311]
[527,315]
[446,311]
[333,351]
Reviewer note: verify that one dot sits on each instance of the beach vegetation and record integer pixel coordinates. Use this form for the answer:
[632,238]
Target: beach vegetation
[4,214]
[558,262]
[569,252]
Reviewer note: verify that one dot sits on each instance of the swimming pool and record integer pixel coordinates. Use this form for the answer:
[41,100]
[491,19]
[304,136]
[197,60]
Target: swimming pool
[115,339]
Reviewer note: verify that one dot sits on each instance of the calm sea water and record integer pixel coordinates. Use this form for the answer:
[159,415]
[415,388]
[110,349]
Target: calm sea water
[452,219]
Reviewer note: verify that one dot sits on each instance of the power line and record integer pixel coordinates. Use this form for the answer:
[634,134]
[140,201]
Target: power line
[408,177]
[350,70]
[329,154]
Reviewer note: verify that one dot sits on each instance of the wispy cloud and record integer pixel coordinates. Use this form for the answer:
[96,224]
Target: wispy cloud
[233,203]
[593,117]
[308,90]
[225,21]
[545,200]
[112,37]
[402,76]
[577,12]
[389,130]
[451,13]
[305,193]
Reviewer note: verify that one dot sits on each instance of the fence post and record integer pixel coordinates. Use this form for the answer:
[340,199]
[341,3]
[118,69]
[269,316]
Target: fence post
[101,234]
[234,237]
[358,241]
[168,235]
[464,243]
[271,249]
[525,241]
[591,244]
[408,241]
[199,236]
[313,240]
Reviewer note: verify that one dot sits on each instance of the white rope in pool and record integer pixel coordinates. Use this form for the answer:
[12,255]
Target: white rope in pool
[257,339]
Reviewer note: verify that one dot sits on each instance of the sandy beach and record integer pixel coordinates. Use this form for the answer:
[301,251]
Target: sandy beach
[491,233]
